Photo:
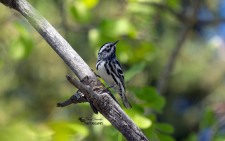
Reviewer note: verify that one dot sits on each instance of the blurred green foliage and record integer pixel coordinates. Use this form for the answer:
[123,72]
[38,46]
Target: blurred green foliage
[33,76]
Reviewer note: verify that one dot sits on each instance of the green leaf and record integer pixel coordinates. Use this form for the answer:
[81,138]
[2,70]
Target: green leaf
[163,137]
[164,127]
[134,70]
[174,4]
[21,47]
[120,27]
[150,98]
[141,121]
[22,29]
[80,12]
[208,118]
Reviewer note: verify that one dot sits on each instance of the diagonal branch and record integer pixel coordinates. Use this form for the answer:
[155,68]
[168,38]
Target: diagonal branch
[90,86]
[163,80]
[165,76]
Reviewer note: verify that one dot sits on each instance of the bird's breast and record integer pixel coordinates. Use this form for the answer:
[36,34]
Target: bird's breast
[102,72]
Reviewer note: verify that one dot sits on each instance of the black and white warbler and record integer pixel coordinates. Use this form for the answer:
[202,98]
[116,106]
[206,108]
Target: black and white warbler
[109,69]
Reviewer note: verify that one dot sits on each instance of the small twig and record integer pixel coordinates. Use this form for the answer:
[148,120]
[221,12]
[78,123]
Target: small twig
[78,97]
[97,86]
[85,85]
[64,103]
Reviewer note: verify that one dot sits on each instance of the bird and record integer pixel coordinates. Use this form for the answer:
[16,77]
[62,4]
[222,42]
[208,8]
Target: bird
[109,69]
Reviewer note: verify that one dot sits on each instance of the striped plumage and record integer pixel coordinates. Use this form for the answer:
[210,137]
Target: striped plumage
[109,69]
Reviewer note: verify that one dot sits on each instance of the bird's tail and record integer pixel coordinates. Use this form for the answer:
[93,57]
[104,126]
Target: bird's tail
[126,102]
[122,93]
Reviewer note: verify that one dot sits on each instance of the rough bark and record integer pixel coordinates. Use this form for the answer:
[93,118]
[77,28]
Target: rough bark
[90,86]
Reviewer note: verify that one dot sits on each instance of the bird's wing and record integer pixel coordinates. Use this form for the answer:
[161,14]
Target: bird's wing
[119,72]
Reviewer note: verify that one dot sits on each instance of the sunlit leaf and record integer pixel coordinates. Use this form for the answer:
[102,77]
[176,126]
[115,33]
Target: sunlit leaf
[18,132]
[142,121]
[21,48]
[80,12]
[17,50]
[66,130]
[94,36]
[23,45]
[43,132]
[123,27]
[118,27]
[90,3]
[23,30]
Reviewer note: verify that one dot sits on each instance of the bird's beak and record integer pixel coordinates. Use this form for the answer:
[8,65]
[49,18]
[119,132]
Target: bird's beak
[115,42]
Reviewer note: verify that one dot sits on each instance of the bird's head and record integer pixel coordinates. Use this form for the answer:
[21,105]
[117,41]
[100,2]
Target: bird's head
[108,50]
